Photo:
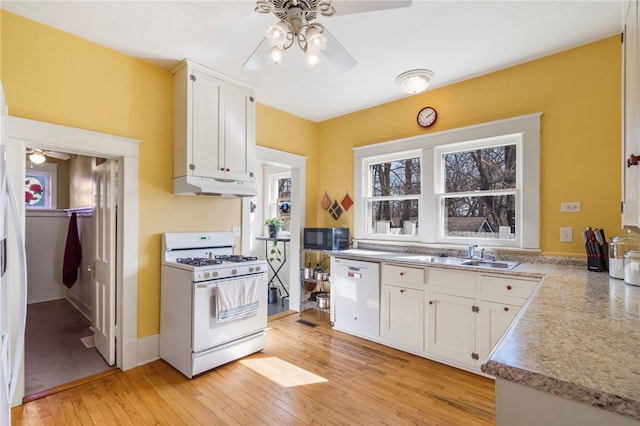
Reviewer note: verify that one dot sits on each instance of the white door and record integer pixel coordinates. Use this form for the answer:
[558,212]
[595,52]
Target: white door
[104,265]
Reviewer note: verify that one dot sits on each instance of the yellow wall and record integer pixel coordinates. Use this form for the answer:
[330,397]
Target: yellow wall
[52,76]
[282,131]
[579,93]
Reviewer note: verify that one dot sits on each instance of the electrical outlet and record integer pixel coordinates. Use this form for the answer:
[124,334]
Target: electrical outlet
[236,231]
[571,207]
[566,235]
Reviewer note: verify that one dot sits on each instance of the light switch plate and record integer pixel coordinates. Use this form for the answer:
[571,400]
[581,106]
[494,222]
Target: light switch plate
[566,235]
[236,231]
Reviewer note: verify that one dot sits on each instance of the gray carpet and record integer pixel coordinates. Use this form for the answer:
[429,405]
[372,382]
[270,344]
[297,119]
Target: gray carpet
[54,353]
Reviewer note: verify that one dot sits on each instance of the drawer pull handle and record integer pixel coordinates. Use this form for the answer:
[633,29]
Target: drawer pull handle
[506,309]
[509,287]
[633,160]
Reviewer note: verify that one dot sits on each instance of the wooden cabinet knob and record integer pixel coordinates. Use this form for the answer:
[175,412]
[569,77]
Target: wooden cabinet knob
[401,274]
[431,302]
[402,290]
[506,309]
[633,160]
[509,287]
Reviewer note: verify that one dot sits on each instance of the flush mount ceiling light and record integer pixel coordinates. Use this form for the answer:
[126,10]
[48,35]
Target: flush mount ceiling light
[415,81]
[37,157]
[297,26]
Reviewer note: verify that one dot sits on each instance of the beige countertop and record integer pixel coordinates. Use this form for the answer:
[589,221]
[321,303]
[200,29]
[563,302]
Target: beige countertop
[578,336]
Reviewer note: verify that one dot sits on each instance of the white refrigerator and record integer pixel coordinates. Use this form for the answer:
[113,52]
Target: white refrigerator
[13,278]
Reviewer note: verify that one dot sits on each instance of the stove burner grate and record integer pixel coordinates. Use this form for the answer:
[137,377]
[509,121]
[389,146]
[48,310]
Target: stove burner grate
[235,258]
[198,261]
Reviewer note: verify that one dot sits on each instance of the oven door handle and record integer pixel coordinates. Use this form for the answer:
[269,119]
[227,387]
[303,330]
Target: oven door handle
[205,286]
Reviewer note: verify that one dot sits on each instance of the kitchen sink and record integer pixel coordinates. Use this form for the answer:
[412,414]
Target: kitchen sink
[490,264]
[433,259]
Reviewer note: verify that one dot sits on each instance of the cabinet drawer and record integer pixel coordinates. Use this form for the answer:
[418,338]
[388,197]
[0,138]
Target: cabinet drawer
[491,286]
[402,275]
[457,281]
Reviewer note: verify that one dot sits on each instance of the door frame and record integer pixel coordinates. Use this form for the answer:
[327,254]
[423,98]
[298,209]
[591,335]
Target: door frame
[298,166]
[23,133]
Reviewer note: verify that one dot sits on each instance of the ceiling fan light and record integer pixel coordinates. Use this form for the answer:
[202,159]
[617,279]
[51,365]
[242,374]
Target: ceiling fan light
[316,39]
[311,58]
[415,81]
[275,54]
[277,34]
[37,157]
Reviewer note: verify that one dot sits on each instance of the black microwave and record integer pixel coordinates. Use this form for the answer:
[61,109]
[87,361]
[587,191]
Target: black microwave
[326,238]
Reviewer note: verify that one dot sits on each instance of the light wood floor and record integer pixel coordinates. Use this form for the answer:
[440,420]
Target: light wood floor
[331,378]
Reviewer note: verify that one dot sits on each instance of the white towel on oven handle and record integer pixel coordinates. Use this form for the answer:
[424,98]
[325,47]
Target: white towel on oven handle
[237,298]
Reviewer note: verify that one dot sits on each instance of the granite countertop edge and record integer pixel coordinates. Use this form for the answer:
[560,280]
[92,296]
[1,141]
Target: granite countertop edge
[564,389]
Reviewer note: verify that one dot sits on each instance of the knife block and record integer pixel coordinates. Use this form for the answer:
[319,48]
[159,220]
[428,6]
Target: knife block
[597,256]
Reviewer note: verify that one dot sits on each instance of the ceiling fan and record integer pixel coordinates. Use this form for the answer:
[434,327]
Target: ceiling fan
[38,156]
[297,26]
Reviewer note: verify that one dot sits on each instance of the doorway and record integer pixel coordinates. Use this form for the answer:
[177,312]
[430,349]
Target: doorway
[61,311]
[279,164]
[23,133]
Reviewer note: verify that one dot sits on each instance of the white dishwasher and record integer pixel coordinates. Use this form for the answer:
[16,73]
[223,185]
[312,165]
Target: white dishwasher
[355,297]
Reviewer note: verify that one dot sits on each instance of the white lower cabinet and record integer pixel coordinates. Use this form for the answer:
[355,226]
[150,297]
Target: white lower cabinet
[493,320]
[451,326]
[402,306]
[402,316]
[453,316]
[467,313]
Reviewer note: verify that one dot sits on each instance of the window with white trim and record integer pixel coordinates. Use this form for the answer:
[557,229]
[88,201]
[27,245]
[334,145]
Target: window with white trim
[478,184]
[394,196]
[477,189]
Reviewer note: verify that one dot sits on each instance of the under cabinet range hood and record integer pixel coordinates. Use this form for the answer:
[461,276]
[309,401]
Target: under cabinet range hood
[197,185]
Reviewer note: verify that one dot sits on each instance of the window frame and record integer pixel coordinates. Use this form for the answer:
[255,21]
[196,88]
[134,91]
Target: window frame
[368,188]
[524,127]
[440,194]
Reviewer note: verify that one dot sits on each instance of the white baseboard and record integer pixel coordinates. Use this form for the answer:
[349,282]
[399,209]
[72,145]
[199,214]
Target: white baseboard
[148,349]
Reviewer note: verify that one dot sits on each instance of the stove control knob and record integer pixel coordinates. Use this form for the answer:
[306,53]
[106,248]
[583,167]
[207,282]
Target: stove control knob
[214,274]
[234,271]
[257,269]
[250,268]
[207,274]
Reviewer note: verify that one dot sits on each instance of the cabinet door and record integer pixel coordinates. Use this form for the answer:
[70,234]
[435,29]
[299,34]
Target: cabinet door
[402,316]
[206,160]
[451,326]
[631,95]
[238,137]
[493,320]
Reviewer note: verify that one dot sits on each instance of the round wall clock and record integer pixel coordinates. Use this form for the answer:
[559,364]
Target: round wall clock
[427,116]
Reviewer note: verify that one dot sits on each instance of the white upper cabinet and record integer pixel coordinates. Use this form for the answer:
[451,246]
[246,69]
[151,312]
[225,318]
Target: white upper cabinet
[631,120]
[214,132]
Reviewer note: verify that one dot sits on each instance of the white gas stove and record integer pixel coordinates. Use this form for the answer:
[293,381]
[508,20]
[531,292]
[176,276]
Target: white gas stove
[208,256]
[196,268]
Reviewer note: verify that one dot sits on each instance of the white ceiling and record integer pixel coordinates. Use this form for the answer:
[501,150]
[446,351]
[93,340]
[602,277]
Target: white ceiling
[456,39]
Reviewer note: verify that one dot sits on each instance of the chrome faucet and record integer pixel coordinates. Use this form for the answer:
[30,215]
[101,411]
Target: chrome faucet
[471,252]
